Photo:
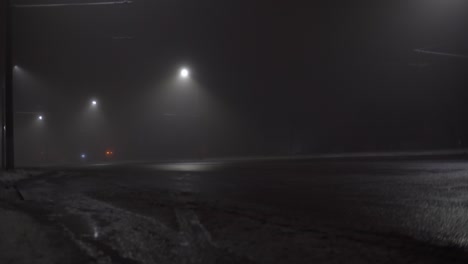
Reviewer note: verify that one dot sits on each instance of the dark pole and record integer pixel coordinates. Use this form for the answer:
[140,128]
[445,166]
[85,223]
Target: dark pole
[8,158]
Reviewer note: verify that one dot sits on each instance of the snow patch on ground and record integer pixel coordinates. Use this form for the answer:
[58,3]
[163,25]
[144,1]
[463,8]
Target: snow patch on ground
[143,239]
[25,240]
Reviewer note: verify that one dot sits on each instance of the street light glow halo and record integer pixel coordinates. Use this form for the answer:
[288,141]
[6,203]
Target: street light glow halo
[184,73]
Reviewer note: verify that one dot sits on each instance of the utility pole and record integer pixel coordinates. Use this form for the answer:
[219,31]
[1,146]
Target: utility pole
[8,153]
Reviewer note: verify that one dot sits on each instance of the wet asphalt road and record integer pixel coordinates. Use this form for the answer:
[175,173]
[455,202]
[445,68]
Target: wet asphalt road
[422,203]
[430,194]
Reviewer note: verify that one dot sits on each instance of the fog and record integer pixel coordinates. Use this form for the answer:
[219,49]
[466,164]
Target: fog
[266,78]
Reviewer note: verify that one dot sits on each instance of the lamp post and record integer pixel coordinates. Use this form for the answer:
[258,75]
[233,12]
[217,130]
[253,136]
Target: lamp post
[8,161]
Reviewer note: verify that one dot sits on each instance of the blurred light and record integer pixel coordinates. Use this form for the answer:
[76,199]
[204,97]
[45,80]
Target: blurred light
[109,154]
[95,233]
[94,102]
[83,156]
[184,73]
[40,117]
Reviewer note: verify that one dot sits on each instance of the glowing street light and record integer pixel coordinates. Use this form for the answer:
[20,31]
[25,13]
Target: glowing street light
[94,103]
[184,73]
[40,117]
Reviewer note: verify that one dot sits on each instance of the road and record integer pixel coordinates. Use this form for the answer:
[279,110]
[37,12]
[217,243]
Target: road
[263,211]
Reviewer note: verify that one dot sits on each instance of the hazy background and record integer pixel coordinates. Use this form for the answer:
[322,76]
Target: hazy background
[267,78]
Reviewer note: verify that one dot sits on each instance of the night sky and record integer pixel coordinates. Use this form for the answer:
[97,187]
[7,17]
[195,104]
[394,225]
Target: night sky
[267,78]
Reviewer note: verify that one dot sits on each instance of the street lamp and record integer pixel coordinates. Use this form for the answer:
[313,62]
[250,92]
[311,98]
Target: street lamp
[184,73]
